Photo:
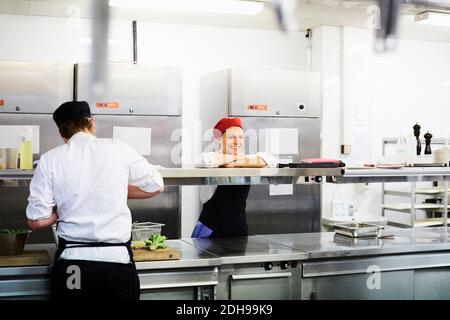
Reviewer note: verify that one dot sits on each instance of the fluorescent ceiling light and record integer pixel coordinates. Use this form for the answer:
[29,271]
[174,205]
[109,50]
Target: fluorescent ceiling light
[210,6]
[433,18]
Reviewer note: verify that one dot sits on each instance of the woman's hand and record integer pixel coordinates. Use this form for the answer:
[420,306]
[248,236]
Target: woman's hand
[247,162]
[224,159]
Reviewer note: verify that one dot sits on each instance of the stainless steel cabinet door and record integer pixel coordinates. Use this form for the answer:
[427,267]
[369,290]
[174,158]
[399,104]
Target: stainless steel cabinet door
[275,286]
[134,89]
[395,285]
[274,93]
[432,284]
[34,87]
[182,284]
[22,288]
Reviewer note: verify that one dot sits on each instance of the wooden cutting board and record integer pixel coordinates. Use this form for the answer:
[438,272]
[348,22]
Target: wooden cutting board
[168,253]
[27,258]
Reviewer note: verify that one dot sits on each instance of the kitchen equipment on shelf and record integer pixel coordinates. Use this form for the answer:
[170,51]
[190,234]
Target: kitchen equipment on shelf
[416,128]
[358,230]
[2,159]
[11,158]
[26,149]
[428,137]
[442,156]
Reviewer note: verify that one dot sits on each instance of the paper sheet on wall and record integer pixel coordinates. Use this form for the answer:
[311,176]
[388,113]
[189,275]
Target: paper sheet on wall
[361,143]
[282,141]
[361,130]
[10,137]
[281,189]
[138,138]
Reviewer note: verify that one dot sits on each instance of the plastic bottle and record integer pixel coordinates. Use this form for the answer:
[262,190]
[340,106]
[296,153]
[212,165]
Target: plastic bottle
[402,149]
[344,208]
[26,149]
[335,205]
[340,207]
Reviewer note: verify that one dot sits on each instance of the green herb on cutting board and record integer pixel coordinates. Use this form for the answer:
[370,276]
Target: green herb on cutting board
[14,230]
[156,241]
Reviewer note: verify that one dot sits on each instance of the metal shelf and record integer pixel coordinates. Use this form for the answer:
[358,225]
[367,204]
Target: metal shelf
[406,207]
[432,191]
[414,175]
[393,175]
[218,176]
[430,222]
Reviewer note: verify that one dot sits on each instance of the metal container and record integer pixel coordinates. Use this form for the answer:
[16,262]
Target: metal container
[358,230]
[12,244]
[141,231]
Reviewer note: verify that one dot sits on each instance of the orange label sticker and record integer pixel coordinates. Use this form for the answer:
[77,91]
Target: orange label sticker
[259,107]
[107,105]
[2,103]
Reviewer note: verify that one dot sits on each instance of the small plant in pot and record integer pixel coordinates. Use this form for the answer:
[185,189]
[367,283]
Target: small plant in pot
[12,240]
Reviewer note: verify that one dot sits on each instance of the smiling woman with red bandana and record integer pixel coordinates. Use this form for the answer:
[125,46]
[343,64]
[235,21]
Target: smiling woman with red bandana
[223,213]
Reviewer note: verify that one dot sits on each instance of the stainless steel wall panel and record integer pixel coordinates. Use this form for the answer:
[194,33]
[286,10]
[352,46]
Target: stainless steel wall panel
[134,89]
[300,211]
[274,93]
[34,87]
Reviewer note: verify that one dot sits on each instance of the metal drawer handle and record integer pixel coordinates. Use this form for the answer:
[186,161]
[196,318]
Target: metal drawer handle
[179,285]
[261,276]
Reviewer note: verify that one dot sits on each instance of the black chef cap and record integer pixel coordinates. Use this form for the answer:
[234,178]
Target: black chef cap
[71,110]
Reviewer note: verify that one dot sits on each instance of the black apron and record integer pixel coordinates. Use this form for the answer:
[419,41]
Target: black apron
[225,213]
[95,275]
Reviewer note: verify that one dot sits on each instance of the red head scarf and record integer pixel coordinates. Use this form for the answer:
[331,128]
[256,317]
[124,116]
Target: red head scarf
[226,123]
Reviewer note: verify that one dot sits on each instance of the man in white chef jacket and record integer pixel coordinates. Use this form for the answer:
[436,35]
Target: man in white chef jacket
[84,185]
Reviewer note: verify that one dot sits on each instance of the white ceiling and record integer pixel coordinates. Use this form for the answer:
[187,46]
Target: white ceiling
[310,13]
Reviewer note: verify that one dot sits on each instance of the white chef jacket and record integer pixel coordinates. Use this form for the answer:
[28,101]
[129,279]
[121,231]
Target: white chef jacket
[87,179]
[209,160]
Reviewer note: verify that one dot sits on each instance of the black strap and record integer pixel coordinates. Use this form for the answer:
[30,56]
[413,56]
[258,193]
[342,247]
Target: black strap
[62,245]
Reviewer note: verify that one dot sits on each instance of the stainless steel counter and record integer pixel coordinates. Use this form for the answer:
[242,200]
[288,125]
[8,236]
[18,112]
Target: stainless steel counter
[215,176]
[280,247]
[285,266]
[246,249]
[251,176]
[393,175]
[329,245]
[191,257]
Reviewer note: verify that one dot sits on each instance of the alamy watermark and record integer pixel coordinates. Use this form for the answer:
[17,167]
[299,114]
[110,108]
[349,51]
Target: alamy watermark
[74,280]
[374,280]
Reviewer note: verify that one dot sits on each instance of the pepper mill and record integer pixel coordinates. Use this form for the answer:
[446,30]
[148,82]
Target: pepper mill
[428,137]
[416,128]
